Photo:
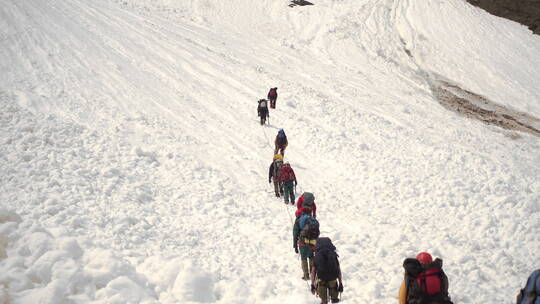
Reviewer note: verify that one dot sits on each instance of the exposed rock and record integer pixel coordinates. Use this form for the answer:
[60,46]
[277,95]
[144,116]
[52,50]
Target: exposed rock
[474,106]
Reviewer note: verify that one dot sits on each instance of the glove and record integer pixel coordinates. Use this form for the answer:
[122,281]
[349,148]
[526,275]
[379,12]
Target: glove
[295,183]
[340,287]
[296,250]
[313,289]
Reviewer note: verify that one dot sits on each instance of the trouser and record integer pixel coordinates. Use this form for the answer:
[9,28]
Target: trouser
[327,288]
[263,113]
[277,187]
[306,268]
[281,150]
[288,191]
[273,102]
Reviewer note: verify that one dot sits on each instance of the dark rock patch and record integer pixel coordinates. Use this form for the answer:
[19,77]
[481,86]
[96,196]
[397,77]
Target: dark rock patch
[478,107]
[299,3]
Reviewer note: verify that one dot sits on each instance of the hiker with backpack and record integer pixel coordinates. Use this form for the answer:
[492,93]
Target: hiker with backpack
[272,96]
[288,180]
[326,273]
[425,282]
[262,111]
[305,234]
[281,142]
[306,201]
[273,174]
[531,293]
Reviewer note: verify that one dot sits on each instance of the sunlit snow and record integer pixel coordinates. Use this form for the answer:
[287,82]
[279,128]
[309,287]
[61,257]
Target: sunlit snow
[133,168]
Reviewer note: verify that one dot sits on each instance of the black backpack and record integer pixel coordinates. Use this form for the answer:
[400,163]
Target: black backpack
[309,198]
[326,260]
[417,277]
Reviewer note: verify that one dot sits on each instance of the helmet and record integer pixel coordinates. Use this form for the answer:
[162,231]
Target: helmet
[424,258]
[278,156]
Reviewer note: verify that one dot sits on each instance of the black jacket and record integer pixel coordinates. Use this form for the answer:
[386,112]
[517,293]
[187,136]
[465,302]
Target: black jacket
[271,172]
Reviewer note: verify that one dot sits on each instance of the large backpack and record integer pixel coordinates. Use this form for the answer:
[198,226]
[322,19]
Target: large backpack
[278,164]
[273,92]
[287,173]
[281,137]
[309,199]
[425,286]
[531,293]
[262,103]
[326,260]
[309,227]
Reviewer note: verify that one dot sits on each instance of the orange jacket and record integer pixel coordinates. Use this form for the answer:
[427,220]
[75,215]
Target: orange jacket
[403,293]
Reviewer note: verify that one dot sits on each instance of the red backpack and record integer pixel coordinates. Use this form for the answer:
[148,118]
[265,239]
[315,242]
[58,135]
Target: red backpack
[287,173]
[426,283]
[429,281]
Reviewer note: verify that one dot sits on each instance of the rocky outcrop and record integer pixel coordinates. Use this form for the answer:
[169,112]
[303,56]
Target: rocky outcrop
[526,12]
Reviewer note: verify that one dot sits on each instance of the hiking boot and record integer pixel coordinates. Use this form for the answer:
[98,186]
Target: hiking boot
[305,278]
[335,300]
[292,203]
[286,203]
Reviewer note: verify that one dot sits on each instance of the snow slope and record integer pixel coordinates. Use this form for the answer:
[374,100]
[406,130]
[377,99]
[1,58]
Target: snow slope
[134,169]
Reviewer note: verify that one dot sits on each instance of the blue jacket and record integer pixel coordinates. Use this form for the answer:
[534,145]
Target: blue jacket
[531,289]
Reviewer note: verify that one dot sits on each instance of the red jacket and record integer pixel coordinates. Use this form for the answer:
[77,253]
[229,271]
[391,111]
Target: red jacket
[300,210]
[272,93]
[286,174]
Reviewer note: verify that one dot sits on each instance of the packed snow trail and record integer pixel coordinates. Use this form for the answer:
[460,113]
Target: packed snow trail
[134,169]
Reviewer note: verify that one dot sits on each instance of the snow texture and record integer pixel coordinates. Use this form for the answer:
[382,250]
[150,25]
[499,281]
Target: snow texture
[133,168]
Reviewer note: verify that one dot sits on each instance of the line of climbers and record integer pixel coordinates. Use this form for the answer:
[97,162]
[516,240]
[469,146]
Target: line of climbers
[318,255]
[424,279]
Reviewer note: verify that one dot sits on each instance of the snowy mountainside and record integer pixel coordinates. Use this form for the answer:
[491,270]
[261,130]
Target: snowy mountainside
[135,171]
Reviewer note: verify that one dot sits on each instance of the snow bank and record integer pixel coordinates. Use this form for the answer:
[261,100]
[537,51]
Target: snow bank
[180,280]
[489,55]
[39,265]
